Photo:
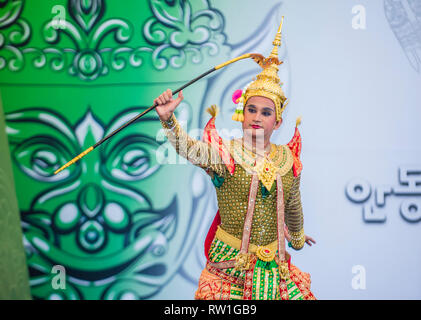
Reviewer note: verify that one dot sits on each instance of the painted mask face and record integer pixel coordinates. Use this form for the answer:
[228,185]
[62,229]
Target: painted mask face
[103,218]
[122,224]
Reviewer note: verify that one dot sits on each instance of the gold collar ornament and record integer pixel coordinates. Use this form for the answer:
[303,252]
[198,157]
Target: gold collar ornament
[280,160]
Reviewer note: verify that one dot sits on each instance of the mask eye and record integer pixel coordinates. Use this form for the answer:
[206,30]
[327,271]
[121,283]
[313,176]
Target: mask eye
[135,162]
[134,158]
[40,157]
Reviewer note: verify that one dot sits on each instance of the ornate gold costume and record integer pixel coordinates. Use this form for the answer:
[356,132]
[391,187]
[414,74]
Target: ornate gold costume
[257,195]
[232,194]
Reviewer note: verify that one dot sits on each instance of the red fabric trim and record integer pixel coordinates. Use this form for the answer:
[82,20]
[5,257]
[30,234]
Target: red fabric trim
[295,147]
[211,136]
[211,234]
[248,280]
[283,290]
[225,290]
[303,282]
[224,276]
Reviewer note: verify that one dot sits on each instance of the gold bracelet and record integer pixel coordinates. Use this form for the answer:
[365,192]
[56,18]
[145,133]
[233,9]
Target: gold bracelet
[169,124]
[297,239]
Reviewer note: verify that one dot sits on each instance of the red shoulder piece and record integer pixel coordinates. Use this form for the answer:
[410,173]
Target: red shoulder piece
[211,234]
[210,135]
[295,147]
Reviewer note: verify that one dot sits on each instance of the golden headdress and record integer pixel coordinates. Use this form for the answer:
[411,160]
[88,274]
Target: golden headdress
[267,83]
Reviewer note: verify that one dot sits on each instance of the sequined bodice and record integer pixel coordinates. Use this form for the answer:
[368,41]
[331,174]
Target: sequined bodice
[233,199]
[232,188]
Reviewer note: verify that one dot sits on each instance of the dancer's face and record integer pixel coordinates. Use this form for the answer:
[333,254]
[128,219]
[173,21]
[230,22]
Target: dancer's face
[260,118]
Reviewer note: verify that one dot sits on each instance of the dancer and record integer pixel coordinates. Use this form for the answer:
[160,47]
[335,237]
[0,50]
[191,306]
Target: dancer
[257,185]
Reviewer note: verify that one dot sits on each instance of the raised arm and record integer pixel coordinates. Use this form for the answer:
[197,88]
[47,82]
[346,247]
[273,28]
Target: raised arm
[197,152]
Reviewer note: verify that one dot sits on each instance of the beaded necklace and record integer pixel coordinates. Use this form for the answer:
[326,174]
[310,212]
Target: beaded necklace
[278,161]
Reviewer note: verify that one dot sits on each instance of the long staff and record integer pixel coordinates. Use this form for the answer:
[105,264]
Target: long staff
[255,56]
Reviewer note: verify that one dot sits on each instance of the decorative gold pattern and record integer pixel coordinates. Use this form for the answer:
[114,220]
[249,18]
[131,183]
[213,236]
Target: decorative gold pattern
[197,152]
[268,83]
[297,239]
[234,242]
[266,171]
[279,161]
[233,207]
[253,282]
[233,194]
[265,253]
[294,215]
[242,261]
[283,270]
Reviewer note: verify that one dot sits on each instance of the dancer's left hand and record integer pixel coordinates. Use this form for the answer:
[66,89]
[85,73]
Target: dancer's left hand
[309,240]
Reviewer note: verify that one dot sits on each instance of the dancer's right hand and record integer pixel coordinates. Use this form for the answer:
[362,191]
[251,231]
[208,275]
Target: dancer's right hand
[166,104]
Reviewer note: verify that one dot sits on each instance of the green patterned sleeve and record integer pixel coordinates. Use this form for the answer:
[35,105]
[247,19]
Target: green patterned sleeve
[199,153]
[294,218]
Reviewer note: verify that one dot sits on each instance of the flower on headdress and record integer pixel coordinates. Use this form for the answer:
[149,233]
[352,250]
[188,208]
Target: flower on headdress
[238,99]
[237,95]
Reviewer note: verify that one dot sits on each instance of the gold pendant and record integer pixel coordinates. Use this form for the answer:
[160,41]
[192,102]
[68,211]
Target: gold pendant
[266,172]
[242,261]
[283,270]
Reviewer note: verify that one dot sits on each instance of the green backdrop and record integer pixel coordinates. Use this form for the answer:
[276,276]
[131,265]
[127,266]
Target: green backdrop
[118,223]
[71,71]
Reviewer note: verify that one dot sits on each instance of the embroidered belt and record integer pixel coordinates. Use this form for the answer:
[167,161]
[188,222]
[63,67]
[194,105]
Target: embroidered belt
[243,260]
[265,253]
[234,242]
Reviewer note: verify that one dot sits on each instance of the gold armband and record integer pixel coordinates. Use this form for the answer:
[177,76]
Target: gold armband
[297,239]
